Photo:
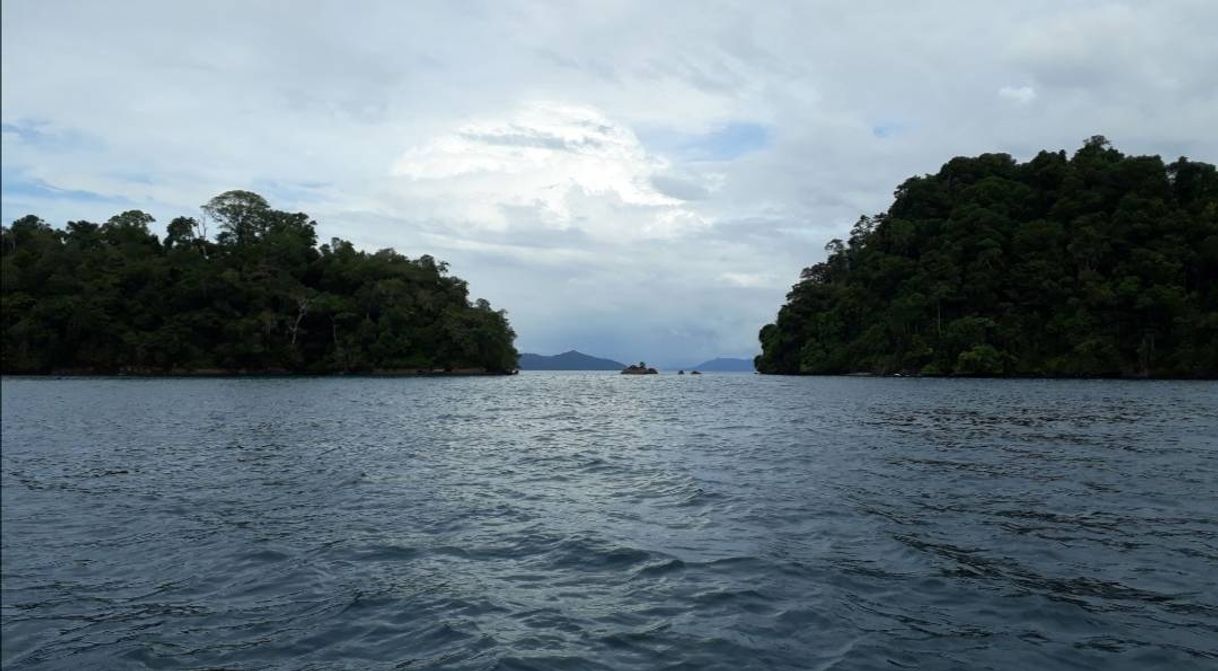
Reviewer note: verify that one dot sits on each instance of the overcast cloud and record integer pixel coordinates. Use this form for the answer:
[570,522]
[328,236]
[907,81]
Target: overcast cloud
[631,179]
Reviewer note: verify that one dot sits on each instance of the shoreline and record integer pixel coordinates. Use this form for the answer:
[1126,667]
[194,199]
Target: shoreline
[244,373]
[1182,378]
[237,374]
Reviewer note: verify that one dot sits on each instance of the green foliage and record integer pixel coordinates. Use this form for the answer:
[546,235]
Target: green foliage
[261,297]
[1099,264]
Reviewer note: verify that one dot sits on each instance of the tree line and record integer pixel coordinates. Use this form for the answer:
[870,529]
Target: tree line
[1097,264]
[261,296]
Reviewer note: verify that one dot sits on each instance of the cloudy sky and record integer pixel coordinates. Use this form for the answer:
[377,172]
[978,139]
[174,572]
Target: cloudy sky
[631,179]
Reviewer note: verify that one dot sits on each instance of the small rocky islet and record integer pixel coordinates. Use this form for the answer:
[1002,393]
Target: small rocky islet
[640,369]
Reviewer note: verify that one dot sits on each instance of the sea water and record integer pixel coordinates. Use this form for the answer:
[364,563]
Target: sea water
[600,521]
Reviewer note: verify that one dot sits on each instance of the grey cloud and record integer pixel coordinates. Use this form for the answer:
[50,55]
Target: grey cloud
[526,138]
[520,140]
[684,189]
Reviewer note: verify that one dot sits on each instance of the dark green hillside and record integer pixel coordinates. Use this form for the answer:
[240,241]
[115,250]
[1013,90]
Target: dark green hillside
[260,297]
[1099,264]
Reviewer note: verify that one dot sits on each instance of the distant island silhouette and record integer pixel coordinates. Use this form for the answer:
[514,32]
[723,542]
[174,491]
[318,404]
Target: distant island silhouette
[569,360]
[726,365]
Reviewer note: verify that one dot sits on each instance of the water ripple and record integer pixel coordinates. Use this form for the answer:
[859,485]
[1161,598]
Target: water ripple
[584,521]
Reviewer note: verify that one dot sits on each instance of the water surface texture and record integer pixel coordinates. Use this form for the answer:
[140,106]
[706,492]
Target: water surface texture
[587,521]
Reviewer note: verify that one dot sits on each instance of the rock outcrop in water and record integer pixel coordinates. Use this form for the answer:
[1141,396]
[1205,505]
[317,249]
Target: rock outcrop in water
[1099,264]
[640,369]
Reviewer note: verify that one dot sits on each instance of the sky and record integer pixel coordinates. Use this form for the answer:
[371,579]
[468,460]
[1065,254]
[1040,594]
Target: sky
[636,180]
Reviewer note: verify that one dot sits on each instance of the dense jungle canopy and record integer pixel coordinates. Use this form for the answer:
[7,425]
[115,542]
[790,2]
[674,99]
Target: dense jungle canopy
[1097,264]
[259,297]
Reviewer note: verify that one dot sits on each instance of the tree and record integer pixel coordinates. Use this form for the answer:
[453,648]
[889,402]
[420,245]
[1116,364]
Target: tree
[240,215]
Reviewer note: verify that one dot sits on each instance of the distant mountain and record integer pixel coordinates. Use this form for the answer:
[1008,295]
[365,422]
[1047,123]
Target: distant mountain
[725,365]
[567,361]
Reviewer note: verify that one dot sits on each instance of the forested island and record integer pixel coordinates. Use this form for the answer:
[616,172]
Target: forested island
[261,297]
[1098,264]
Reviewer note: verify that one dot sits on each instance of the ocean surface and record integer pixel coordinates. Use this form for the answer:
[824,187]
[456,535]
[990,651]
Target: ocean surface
[600,521]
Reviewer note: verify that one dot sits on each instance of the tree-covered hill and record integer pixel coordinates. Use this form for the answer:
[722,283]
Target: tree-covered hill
[1099,264]
[259,297]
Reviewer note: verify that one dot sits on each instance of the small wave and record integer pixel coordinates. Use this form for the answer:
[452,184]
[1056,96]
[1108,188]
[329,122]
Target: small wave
[661,568]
